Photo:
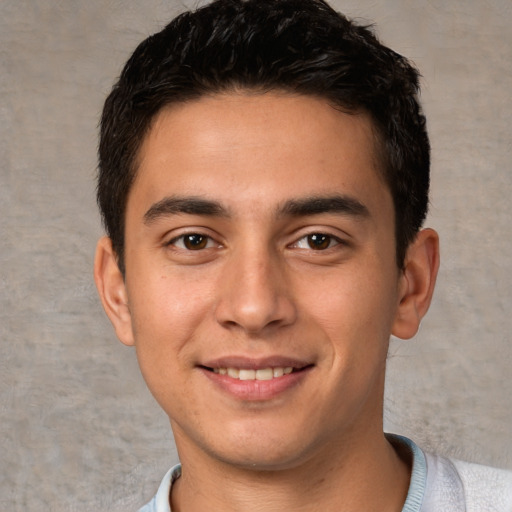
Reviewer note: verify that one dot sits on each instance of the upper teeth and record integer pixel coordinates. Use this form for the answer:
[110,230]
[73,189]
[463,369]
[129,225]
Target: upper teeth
[261,374]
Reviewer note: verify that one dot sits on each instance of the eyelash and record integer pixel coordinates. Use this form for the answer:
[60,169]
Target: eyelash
[183,238]
[322,237]
[207,242]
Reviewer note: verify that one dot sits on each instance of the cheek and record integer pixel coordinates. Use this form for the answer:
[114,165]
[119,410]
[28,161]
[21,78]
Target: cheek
[165,317]
[354,307]
[166,313]
[167,303]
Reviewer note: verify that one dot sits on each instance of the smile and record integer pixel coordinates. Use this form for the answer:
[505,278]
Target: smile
[248,374]
[256,379]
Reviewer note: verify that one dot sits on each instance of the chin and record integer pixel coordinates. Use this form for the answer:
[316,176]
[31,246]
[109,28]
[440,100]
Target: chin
[260,453]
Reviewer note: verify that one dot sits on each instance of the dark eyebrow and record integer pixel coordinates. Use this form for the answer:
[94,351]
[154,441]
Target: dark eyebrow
[174,205]
[319,204]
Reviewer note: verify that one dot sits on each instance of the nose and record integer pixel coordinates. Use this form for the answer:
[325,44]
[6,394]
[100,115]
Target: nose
[254,295]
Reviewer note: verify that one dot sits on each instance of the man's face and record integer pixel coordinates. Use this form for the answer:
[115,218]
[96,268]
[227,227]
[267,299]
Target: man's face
[260,241]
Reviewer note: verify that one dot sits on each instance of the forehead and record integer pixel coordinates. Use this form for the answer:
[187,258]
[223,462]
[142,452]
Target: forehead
[246,146]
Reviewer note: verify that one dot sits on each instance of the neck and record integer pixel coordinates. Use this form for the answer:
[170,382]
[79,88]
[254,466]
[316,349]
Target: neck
[350,476]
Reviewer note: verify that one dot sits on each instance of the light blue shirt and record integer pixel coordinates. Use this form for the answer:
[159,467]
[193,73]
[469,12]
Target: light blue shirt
[437,484]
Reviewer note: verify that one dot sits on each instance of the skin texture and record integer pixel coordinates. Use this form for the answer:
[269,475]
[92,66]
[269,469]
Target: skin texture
[254,288]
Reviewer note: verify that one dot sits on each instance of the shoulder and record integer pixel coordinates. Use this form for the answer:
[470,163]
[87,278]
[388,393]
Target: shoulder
[486,488]
[160,502]
[442,484]
[471,487]
[149,507]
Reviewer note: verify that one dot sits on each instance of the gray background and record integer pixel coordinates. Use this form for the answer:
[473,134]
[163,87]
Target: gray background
[79,431]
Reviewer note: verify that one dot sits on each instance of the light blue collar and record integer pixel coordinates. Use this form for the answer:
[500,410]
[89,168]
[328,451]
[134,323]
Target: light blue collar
[418,481]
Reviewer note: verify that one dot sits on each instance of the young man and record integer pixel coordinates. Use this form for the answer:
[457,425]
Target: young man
[264,173]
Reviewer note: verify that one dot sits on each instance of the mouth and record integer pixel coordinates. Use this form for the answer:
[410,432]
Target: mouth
[256,379]
[269,373]
[252,381]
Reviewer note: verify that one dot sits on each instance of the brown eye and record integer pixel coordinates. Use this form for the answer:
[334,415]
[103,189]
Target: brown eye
[195,241]
[192,242]
[319,241]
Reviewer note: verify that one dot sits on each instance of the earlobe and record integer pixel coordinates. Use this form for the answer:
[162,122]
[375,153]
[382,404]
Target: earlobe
[417,283]
[112,290]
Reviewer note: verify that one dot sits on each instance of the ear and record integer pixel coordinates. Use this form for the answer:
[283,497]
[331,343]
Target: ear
[112,290]
[417,283]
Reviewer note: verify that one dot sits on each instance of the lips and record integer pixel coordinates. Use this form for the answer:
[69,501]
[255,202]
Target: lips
[255,379]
